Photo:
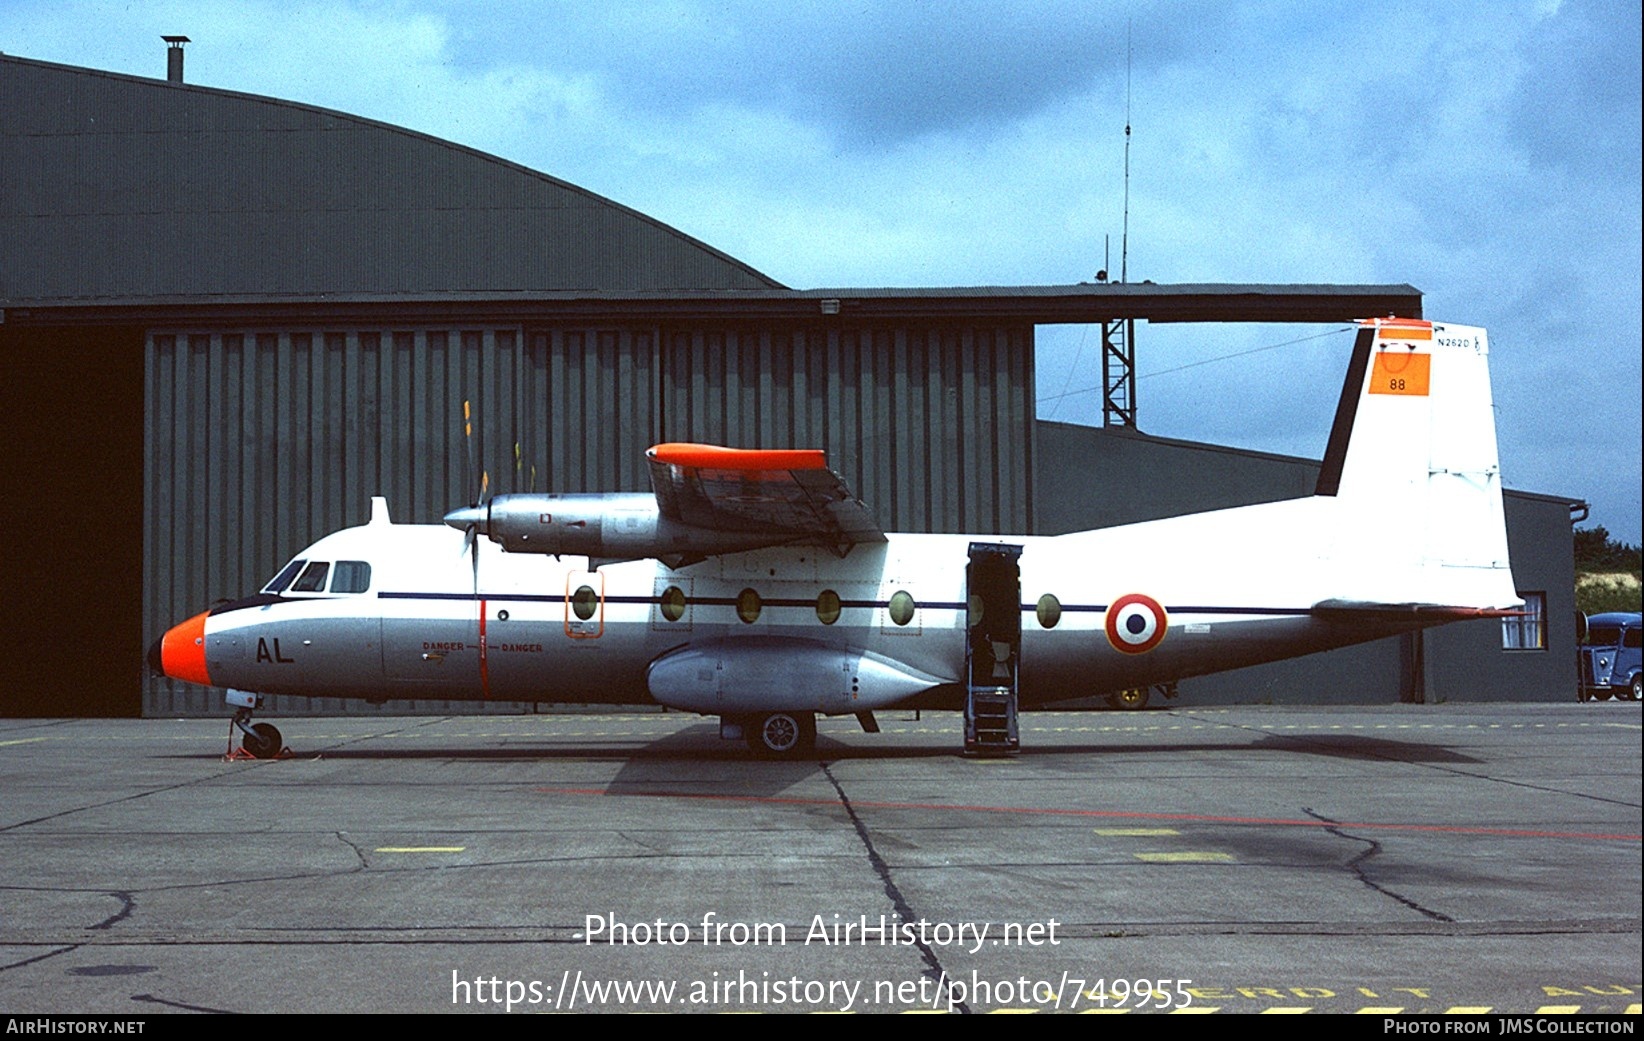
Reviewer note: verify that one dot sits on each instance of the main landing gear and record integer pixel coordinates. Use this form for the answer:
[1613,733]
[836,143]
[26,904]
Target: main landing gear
[781,735]
[257,740]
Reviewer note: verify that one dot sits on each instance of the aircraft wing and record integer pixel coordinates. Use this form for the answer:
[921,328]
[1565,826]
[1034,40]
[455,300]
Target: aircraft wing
[790,494]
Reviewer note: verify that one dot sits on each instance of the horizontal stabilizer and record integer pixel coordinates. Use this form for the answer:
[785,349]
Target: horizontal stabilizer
[1423,614]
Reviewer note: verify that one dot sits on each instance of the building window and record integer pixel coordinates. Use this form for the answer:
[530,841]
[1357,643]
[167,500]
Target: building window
[1528,631]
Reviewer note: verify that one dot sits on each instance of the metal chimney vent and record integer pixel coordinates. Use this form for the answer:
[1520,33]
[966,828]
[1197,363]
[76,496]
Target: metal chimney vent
[174,57]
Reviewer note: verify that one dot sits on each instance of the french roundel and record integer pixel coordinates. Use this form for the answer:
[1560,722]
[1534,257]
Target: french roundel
[1136,623]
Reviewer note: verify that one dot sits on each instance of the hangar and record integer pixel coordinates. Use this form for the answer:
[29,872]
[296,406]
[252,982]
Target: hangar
[227,320]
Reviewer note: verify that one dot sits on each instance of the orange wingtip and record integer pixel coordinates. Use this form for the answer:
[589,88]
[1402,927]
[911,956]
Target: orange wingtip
[717,457]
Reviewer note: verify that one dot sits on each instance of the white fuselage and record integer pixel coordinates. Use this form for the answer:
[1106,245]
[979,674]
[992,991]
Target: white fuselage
[432,624]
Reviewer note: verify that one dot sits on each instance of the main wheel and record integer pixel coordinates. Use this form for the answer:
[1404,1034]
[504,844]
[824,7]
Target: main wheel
[264,741]
[781,734]
[1129,700]
[1638,688]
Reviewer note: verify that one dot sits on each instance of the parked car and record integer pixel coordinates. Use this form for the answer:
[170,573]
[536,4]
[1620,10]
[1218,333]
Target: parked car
[1612,656]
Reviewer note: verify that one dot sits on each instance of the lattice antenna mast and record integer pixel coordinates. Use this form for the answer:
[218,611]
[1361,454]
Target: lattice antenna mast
[1119,334]
[1124,241]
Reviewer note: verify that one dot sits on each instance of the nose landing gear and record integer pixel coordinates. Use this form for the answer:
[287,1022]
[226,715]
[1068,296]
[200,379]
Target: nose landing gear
[257,740]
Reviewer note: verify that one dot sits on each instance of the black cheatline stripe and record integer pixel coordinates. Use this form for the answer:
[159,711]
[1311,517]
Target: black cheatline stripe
[730,601]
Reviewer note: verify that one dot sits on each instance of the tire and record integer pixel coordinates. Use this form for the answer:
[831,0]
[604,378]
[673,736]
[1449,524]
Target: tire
[1638,687]
[781,735]
[264,741]
[1129,700]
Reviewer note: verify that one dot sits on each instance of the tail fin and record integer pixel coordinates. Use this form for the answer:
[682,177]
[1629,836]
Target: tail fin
[1412,459]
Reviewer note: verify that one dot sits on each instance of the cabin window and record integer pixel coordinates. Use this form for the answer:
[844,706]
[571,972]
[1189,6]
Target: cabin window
[673,603]
[1049,611]
[313,578]
[1528,631]
[584,602]
[827,607]
[748,606]
[351,576]
[901,607]
[278,583]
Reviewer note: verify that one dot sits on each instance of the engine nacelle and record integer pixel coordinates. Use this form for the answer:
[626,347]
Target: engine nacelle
[626,526]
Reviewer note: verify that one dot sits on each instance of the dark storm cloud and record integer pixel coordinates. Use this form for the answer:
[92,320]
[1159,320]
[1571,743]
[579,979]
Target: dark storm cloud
[1577,105]
[870,75]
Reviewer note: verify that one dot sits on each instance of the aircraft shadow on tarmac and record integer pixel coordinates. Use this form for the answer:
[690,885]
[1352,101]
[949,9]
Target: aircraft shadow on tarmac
[668,759]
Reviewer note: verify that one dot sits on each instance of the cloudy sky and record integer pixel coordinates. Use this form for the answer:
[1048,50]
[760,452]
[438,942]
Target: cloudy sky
[1487,153]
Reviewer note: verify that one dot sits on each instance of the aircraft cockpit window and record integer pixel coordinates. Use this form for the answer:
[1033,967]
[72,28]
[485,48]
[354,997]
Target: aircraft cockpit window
[278,583]
[313,578]
[351,576]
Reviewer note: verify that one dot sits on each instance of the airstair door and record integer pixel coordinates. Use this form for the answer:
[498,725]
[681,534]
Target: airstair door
[993,645]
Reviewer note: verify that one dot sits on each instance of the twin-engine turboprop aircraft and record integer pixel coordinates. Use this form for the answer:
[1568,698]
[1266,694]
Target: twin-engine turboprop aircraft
[752,586]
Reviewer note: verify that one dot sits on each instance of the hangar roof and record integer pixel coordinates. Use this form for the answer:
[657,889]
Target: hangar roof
[122,188]
[137,200]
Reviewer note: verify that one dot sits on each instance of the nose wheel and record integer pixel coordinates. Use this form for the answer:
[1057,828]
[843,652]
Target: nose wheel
[257,740]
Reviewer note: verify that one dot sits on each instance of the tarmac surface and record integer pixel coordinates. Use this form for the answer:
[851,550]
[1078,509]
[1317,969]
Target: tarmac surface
[1437,858]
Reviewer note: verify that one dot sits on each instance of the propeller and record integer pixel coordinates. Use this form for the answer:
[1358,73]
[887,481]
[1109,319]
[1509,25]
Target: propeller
[472,517]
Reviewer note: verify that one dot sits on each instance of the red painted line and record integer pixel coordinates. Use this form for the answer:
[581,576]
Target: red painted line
[485,665]
[1193,818]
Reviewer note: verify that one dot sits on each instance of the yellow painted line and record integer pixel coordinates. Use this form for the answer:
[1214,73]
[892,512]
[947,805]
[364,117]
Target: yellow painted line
[1195,1010]
[1189,857]
[1380,1010]
[1117,832]
[1558,1010]
[22,741]
[1285,1011]
[1468,1010]
[1632,1010]
[419,849]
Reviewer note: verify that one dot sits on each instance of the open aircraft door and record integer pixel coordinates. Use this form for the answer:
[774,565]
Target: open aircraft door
[993,647]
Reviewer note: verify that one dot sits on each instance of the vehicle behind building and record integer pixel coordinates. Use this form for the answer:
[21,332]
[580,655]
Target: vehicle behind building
[1612,656]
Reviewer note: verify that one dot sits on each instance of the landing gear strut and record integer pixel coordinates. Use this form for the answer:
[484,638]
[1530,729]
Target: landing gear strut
[257,740]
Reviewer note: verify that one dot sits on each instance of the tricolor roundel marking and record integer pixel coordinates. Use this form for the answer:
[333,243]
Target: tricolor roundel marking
[1136,623]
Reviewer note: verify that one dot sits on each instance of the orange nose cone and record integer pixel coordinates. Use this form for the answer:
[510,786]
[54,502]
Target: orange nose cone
[182,651]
